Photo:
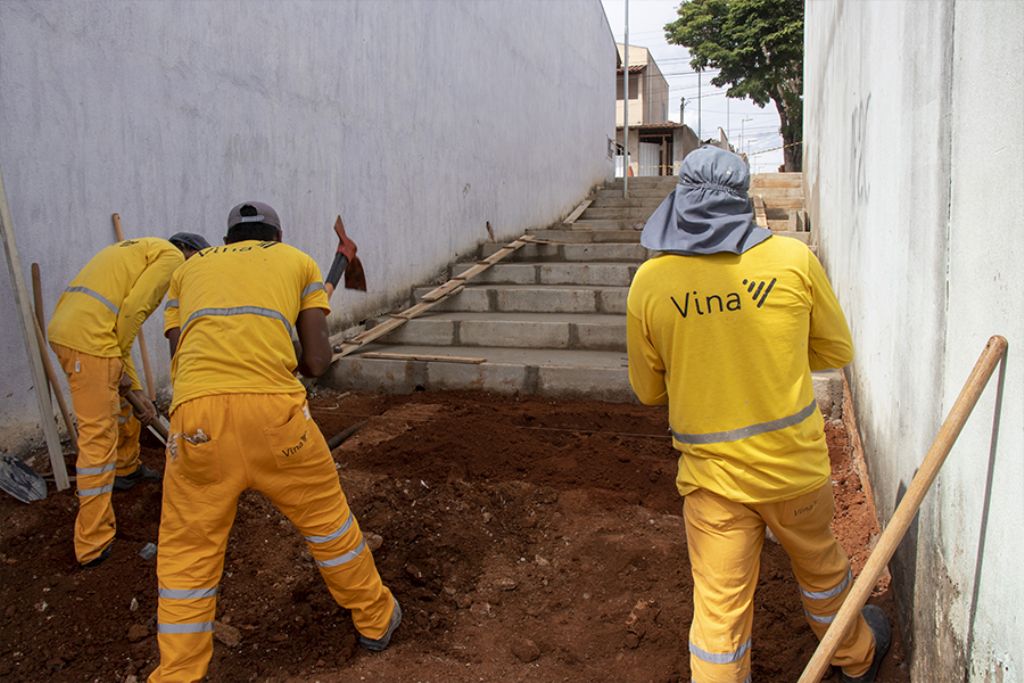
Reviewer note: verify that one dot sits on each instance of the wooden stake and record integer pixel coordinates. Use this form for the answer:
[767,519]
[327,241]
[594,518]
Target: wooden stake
[143,350]
[51,373]
[60,473]
[907,509]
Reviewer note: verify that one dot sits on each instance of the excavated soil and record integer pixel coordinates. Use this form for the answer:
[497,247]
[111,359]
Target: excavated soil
[528,540]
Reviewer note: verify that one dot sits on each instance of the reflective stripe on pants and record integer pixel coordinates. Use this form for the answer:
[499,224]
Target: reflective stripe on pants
[266,443]
[724,541]
[96,403]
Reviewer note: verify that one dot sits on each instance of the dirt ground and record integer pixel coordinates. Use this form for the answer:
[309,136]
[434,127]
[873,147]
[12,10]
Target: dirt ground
[519,535]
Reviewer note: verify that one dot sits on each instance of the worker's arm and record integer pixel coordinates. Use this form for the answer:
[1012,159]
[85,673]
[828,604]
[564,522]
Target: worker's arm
[172,317]
[829,345]
[144,297]
[173,335]
[646,369]
[314,352]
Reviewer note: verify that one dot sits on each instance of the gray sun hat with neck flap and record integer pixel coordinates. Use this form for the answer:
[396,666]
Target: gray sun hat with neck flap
[709,211]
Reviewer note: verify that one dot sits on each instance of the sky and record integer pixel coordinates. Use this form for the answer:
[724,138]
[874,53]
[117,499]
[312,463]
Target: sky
[759,128]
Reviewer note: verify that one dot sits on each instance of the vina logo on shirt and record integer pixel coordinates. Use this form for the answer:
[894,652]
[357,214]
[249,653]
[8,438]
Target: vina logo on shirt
[706,304]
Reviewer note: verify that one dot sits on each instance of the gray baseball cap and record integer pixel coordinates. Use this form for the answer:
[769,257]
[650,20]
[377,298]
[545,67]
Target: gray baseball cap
[253,212]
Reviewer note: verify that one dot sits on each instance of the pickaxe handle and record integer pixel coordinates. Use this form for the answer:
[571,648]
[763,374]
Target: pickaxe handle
[345,254]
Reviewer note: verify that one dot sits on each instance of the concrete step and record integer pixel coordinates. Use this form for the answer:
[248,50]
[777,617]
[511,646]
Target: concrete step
[570,252]
[608,202]
[634,193]
[588,331]
[668,181]
[609,224]
[601,375]
[586,236]
[630,212]
[534,299]
[608,274]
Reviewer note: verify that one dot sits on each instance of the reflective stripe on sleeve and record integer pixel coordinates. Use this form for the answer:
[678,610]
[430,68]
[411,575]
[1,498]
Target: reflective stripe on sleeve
[312,288]
[749,430]
[831,592]
[95,295]
[95,470]
[171,303]
[720,658]
[187,593]
[239,310]
[83,493]
[195,627]
[334,534]
[344,557]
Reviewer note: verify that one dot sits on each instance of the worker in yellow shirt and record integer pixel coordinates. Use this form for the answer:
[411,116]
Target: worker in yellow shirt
[725,326]
[239,420]
[92,331]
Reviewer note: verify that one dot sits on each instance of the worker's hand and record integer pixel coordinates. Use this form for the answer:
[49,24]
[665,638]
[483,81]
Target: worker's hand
[143,408]
[125,384]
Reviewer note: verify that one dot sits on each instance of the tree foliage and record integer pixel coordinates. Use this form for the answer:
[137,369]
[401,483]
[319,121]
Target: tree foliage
[758,47]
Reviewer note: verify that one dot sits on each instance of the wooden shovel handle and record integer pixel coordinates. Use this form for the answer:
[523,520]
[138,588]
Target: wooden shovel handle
[147,369]
[907,509]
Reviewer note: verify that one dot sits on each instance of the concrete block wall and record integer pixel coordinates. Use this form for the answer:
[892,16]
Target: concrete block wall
[913,146]
[417,120]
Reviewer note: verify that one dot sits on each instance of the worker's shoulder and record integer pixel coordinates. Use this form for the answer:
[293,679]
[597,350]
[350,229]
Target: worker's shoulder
[781,249]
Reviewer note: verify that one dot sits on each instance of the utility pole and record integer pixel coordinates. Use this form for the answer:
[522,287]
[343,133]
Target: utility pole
[625,110]
[728,120]
[682,109]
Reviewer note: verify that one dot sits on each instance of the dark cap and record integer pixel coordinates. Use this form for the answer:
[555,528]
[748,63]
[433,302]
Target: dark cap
[253,212]
[189,240]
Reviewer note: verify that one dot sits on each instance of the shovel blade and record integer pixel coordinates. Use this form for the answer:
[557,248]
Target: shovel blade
[20,480]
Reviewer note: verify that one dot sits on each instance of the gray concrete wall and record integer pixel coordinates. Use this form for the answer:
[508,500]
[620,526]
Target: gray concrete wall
[418,121]
[913,173]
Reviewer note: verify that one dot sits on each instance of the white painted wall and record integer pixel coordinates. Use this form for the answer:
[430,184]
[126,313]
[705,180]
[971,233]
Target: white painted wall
[417,120]
[913,166]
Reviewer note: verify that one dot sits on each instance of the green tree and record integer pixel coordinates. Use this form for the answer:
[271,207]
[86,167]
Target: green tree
[758,47]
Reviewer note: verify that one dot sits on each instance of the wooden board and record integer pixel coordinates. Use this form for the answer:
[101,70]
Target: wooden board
[27,320]
[386,355]
[571,218]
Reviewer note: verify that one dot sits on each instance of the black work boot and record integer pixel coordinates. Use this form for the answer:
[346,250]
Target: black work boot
[97,561]
[880,628]
[381,644]
[129,480]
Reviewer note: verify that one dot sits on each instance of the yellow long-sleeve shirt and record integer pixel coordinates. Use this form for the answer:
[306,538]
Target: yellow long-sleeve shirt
[729,342]
[103,307]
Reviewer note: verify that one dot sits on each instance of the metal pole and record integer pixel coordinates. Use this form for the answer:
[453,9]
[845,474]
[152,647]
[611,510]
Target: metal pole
[728,120]
[625,110]
[700,101]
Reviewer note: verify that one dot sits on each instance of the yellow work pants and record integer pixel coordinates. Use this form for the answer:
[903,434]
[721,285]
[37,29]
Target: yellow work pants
[108,444]
[724,540]
[220,446]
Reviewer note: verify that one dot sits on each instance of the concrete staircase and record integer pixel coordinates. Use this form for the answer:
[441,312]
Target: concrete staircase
[548,320]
